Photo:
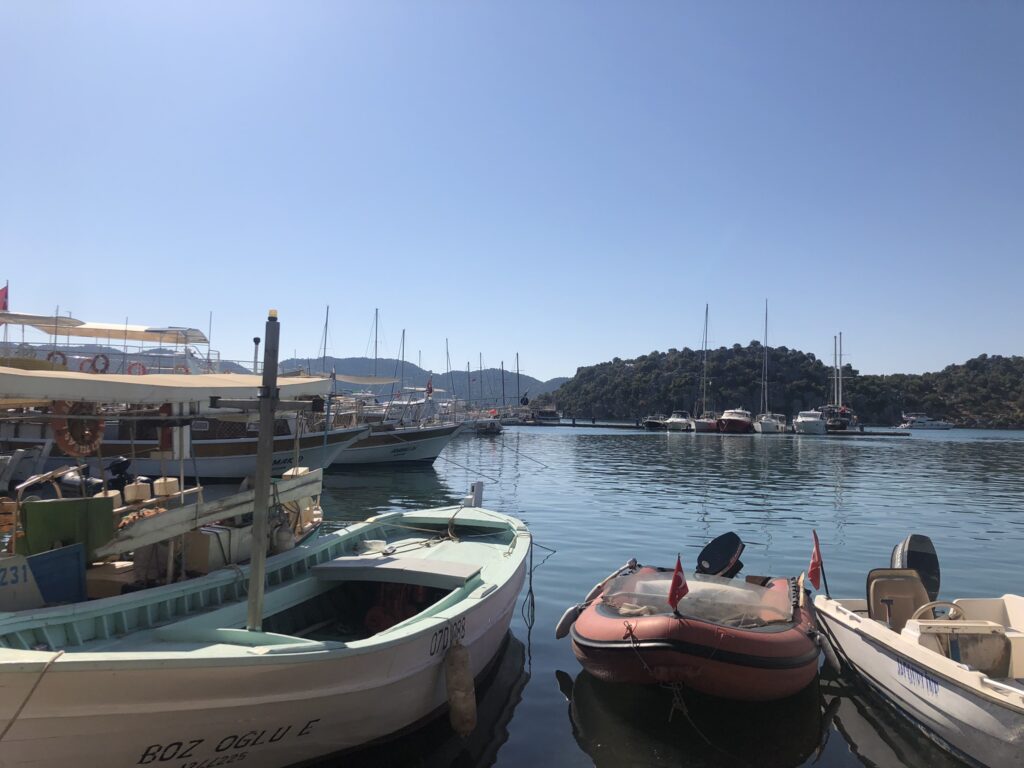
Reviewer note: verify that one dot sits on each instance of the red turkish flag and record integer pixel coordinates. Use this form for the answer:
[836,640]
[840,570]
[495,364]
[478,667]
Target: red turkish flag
[677,589]
[3,298]
[814,569]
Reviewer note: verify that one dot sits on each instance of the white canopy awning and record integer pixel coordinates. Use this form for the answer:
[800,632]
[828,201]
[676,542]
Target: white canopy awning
[18,386]
[365,381]
[68,326]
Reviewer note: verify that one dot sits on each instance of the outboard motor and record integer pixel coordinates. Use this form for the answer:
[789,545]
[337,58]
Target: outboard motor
[119,474]
[74,484]
[722,556]
[917,552]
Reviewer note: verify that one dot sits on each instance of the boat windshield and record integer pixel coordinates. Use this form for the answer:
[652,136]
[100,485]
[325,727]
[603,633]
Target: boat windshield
[715,599]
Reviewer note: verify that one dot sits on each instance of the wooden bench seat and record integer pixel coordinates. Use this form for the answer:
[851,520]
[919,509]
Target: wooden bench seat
[443,574]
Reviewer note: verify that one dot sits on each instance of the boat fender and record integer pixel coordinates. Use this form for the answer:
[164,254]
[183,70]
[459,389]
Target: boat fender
[829,651]
[284,539]
[461,694]
[568,619]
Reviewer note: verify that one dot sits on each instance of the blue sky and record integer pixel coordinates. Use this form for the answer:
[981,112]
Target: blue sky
[567,180]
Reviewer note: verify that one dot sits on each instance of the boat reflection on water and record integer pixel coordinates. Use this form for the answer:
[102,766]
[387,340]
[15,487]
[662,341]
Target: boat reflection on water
[435,745]
[619,724]
[834,723]
[375,490]
[876,734]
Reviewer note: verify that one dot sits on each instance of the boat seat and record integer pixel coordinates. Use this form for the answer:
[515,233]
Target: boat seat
[894,594]
[443,574]
[981,645]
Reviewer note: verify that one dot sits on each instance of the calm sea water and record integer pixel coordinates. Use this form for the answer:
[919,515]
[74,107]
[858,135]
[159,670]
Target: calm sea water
[599,497]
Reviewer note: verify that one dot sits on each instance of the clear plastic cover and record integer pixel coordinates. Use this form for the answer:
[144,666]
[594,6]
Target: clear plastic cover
[714,599]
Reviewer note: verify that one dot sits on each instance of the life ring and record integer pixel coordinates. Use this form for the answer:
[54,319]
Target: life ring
[182,369]
[137,369]
[85,366]
[76,437]
[101,363]
[57,357]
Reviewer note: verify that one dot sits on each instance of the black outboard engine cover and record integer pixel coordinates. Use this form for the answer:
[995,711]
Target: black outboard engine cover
[119,474]
[917,552]
[722,556]
[73,484]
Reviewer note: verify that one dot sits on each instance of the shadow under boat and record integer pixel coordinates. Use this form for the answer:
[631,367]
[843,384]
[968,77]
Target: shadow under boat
[875,734]
[433,744]
[620,724]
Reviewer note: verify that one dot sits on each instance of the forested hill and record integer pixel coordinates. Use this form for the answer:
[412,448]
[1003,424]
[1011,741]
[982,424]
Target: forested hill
[483,387]
[985,391]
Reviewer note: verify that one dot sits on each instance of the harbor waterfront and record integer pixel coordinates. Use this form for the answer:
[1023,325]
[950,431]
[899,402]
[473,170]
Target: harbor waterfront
[600,496]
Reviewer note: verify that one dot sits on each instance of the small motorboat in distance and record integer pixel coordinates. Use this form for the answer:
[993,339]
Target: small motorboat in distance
[922,421]
[654,423]
[809,423]
[679,421]
[751,640]
[954,668]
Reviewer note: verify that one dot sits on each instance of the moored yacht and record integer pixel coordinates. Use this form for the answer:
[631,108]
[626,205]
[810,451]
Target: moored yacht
[770,423]
[809,423]
[654,423]
[679,421]
[735,420]
[922,421]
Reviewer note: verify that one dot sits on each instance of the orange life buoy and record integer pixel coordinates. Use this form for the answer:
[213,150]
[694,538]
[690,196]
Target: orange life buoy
[101,363]
[85,366]
[57,357]
[76,437]
[137,369]
[181,369]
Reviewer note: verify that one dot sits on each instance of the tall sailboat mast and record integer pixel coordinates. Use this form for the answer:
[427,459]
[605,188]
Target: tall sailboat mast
[502,383]
[839,402]
[518,396]
[704,367]
[376,318]
[764,369]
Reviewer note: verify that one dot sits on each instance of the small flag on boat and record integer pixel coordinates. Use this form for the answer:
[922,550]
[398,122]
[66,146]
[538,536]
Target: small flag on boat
[430,386]
[678,589]
[814,569]
[3,298]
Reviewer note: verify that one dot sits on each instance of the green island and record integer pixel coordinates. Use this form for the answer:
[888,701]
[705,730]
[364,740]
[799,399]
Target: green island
[985,392]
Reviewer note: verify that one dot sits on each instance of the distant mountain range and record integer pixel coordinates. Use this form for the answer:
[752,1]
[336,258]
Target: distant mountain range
[477,386]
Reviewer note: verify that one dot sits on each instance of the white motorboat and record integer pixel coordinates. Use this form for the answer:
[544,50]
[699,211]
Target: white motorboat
[363,631]
[958,673]
[708,422]
[770,423]
[922,421]
[489,425]
[809,423]
[679,421]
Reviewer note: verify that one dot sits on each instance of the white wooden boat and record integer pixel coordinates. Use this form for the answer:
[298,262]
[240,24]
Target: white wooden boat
[386,444]
[959,675]
[357,625]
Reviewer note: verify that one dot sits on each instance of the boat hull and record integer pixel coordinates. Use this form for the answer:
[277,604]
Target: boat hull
[809,427]
[974,727]
[410,444]
[735,426]
[705,425]
[769,427]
